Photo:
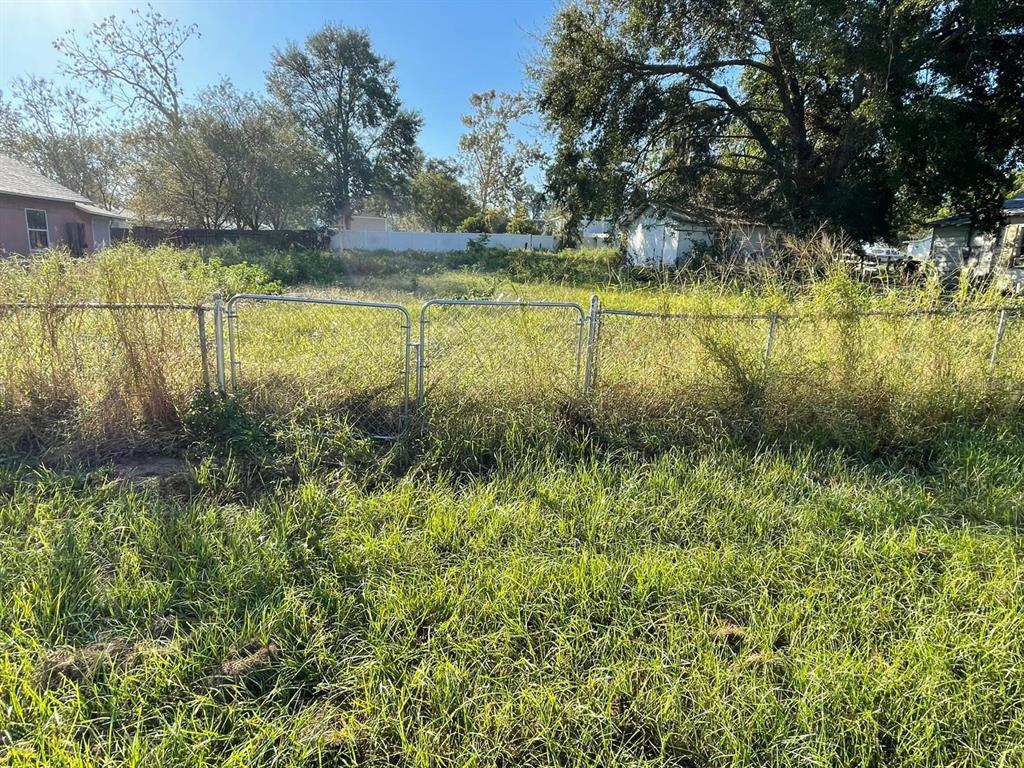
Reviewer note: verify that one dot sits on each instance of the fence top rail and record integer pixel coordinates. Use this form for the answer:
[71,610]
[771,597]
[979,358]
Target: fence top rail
[102,305]
[508,303]
[315,300]
[815,316]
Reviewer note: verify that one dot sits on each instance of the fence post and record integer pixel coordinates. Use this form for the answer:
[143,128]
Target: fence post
[1000,330]
[590,372]
[204,352]
[218,341]
[770,343]
[421,362]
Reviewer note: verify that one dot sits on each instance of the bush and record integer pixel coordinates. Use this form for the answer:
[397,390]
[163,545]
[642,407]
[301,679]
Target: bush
[295,266]
[521,225]
[494,222]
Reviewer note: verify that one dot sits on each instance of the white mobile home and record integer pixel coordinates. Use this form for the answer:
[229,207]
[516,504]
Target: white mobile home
[955,245]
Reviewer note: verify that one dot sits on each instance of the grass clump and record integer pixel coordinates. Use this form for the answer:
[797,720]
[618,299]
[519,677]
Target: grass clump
[83,381]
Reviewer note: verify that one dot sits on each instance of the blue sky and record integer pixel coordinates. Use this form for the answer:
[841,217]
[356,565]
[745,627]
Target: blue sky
[443,50]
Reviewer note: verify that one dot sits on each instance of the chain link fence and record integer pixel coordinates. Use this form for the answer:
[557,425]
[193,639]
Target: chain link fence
[655,366]
[498,357]
[121,369]
[793,370]
[105,370]
[295,355]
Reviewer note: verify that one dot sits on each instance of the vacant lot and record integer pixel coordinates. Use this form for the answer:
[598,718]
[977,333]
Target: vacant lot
[711,563]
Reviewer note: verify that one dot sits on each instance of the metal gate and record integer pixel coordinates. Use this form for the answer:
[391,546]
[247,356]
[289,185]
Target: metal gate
[352,358]
[504,352]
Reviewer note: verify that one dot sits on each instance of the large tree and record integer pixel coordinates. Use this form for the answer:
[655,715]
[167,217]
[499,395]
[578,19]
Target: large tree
[439,200]
[268,162]
[856,113]
[345,96]
[494,159]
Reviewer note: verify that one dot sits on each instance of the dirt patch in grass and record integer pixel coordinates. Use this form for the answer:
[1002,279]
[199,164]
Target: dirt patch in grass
[244,663]
[165,474]
[79,664]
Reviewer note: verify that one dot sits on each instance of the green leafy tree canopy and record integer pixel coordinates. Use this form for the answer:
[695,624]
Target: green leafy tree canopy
[345,96]
[855,113]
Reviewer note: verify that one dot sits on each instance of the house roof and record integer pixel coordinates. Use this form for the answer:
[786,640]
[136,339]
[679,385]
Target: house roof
[16,178]
[1012,207]
[95,210]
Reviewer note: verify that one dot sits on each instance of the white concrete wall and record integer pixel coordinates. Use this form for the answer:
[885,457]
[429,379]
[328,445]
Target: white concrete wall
[432,242]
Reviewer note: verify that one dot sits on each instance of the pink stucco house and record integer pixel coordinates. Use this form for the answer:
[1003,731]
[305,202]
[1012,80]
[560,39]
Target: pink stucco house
[37,213]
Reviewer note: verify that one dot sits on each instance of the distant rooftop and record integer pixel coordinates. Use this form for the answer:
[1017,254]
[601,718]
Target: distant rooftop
[16,178]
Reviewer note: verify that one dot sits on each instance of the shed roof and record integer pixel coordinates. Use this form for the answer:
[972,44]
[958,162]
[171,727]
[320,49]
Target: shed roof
[701,215]
[16,178]
[1012,207]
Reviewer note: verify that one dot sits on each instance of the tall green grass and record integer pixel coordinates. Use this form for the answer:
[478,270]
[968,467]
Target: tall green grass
[713,607]
[77,381]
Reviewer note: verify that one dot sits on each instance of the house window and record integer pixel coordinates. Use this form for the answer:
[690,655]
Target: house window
[38,233]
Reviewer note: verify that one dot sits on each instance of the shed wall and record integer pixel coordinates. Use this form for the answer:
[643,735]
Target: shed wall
[948,247]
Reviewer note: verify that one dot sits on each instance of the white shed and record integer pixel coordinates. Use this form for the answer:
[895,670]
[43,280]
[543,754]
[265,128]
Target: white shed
[664,238]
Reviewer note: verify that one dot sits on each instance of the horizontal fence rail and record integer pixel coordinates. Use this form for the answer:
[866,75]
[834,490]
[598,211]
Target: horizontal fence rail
[479,359]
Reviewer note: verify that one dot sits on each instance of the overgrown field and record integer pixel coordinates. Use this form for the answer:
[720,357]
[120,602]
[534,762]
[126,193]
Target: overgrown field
[843,369]
[714,607]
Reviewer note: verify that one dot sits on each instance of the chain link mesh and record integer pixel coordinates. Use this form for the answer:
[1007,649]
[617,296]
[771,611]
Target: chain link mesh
[296,357]
[102,373]
[112,370]
[651,366]
[898,365]
[884,362]
[501,357]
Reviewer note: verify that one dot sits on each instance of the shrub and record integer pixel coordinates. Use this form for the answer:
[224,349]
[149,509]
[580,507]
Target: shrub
[521,225]
[493,221]
[294,266]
